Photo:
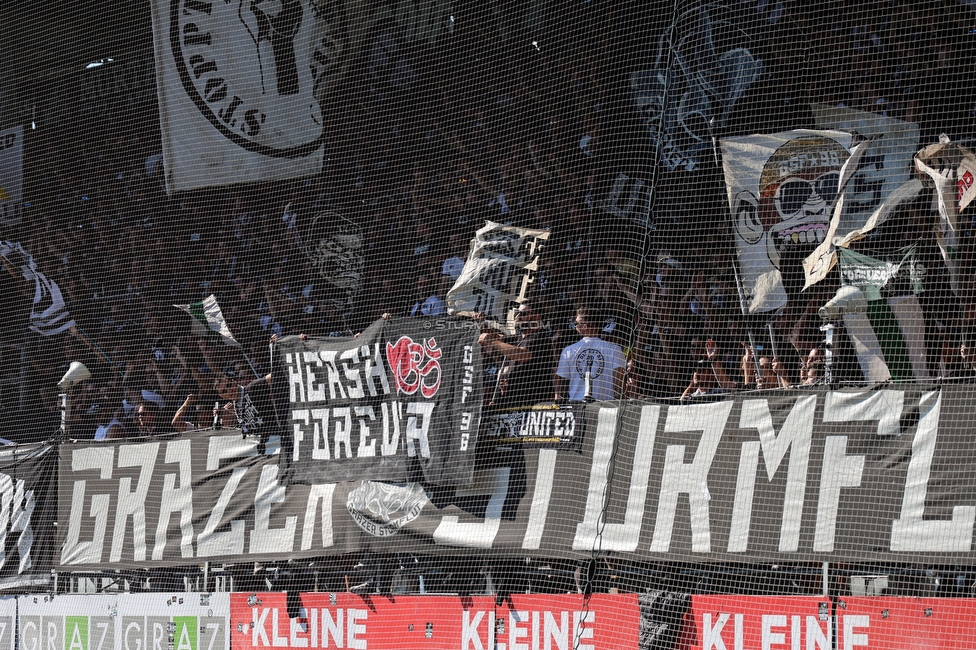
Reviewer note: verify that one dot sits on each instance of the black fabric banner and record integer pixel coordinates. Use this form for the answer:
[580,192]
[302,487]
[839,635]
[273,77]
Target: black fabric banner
[405,390]
[662,618]
[27,509]
[878,474]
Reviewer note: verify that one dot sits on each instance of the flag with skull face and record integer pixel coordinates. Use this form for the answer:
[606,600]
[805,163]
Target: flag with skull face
[781,188]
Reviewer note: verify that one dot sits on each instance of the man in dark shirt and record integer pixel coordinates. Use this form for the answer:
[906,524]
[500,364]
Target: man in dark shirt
[526,377]
[249,407]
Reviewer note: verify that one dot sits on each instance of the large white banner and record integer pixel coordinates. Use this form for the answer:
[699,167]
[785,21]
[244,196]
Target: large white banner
[11,175]
[874,475]
[236,100]
[159,621]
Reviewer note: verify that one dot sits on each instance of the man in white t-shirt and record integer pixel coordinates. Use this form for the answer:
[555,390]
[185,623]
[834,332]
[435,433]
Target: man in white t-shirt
[604,361]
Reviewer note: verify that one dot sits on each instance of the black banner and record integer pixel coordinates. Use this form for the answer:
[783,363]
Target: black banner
[403,391]
[543,425]
[27,508]
[781,476]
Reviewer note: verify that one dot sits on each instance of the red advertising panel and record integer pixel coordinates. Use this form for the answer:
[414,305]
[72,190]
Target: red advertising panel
[894,623]
[520,622]
[767,622]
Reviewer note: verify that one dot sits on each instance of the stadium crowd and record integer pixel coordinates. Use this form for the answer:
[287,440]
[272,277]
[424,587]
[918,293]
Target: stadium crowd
[526,143]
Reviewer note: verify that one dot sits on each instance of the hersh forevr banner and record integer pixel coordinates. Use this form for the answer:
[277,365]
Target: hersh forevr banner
[497,274]
[403,395]
[874,475]
[236,91]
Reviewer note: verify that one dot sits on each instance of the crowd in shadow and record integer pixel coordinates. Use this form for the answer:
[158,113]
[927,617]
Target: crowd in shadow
[421,152]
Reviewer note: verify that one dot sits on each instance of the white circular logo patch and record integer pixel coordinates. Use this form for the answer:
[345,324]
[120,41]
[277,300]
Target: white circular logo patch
[589,360]
[373,506]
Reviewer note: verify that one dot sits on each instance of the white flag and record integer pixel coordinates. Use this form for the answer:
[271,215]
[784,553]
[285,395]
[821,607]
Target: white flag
[497,274]
[949,170]
[781,188]
[235,83]
[49,313]
[879,169]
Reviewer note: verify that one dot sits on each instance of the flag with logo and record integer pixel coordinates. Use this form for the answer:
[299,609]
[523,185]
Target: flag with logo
[400,402]
[781,189]
[208,320]
[888,330]
[49,313]
[236,85]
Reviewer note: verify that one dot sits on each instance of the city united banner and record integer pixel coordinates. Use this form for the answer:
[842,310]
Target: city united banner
[400,401]
[236,91]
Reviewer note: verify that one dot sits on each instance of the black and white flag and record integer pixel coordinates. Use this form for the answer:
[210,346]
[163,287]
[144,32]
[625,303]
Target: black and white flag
[49,313]
[28,503]
[500,268]
[808,475]
[236,91]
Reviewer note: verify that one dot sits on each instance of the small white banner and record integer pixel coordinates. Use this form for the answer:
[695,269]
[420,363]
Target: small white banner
[497,274]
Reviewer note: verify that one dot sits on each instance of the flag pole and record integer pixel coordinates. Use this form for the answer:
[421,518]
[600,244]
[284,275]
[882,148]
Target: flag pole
[76,330]
[735,261]
[251,363]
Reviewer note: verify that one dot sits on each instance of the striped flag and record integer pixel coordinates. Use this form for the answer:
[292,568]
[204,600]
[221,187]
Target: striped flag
[208,319]
[49,313]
